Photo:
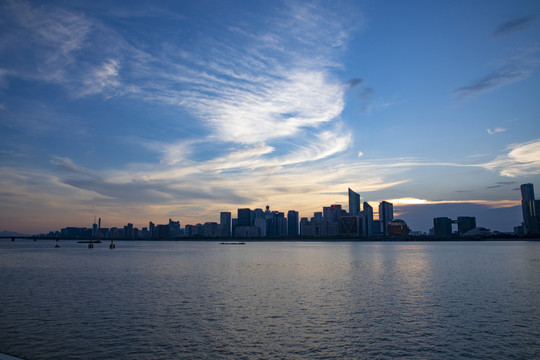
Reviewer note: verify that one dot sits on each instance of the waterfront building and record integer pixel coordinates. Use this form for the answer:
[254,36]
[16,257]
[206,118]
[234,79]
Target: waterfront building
[174,229]
[152,230]
[386,214]
[225,224]
[465,223]
[442,226]
[367,219]
[162,231]
[354,203]
[349,225]
[398,227]
[211,229]
[528,207]
[244,217]
[292,223]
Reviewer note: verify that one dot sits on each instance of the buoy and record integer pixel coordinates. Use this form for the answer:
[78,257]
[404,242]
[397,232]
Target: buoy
[90,246]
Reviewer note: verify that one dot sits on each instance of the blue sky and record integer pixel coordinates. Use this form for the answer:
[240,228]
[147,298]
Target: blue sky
[156,110]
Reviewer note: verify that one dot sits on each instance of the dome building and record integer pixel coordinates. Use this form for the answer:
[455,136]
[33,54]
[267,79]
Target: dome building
[398,227]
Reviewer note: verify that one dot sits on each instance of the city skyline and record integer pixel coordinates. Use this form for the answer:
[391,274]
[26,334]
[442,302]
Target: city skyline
[332,221]
[183,110]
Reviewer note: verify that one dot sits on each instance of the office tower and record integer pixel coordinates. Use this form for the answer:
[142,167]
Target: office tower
[292,223]
[174,229]
[368,220]
[244,217]
[528,206]
[354,203]
[152,230]
[386,214]
[465,223]
[225,223]
[442,226]
[332,213]
[376,227]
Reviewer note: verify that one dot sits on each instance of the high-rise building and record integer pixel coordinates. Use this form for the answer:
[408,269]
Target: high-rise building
[528,206]
[442,226]
[465,223]
[354,203]
[292,223]
[225,224]
[244,217]
[386,214]
[368,219]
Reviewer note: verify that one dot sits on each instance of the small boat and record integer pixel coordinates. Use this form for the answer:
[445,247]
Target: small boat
[232,243]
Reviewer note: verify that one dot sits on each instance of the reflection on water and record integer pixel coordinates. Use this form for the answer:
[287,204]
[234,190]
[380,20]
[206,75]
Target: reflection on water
[162,300]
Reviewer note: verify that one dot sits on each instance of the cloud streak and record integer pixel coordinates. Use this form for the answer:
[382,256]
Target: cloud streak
[514,25]
[498,79]
[521,160]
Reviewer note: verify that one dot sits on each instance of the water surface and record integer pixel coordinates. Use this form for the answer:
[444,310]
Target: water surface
[270,300]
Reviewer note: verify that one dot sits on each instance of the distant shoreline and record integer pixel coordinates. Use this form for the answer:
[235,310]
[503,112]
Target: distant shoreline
[419,238]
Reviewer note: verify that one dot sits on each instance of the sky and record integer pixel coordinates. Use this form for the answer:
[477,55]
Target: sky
[148,110]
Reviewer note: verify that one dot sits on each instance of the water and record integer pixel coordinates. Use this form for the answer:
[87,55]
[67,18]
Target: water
[299,300]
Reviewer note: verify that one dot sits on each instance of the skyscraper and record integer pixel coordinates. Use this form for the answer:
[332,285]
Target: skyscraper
[368,219]
[244,217]
[292,223]
[225,224]
[465,223]
[386,214]
[442,226]
[528,206]
[354,203]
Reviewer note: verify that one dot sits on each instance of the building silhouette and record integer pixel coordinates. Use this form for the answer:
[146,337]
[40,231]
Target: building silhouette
[465,223]
[529,208]
[354,203]
[244,217]
[442,226]
[225,224]
[367,219]
[292,223]
[386,214]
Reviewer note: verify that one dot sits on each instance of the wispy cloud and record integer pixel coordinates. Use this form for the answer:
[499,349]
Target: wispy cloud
[514,25]
[495,131]
[521,160]
[354,82]
[488,203]
[495,80]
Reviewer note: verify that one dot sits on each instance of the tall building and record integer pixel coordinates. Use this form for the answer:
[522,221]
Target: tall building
[292,223]
[465,223]
[528,206]
[354,203]
[442,226]
[386,214]
[244,217]
[225,223]
[368,219]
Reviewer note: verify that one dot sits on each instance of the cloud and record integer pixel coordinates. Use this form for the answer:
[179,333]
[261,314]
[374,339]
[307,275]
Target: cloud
[513,26]
[521,160]
[354,82]
[495,131]
[488,203]
[100,78]
[498,79]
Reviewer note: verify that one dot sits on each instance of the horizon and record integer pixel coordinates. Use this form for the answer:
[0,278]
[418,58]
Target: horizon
[150,111]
